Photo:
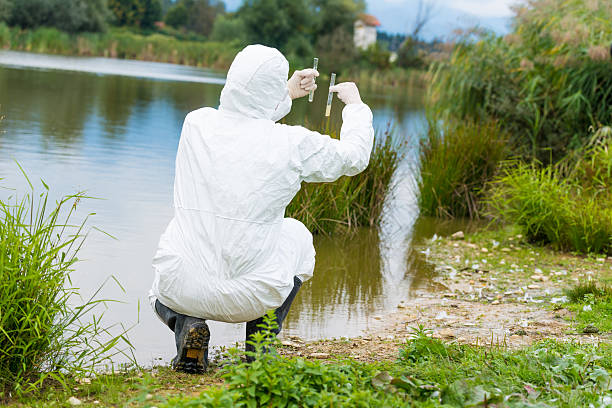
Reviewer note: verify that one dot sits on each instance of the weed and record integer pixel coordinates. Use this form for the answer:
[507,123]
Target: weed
[41,335]
[592,305]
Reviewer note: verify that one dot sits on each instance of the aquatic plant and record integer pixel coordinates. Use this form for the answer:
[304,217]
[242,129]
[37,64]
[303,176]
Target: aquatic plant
[350,202]
[546,82]
[552,209]
[46,332]
[457,158]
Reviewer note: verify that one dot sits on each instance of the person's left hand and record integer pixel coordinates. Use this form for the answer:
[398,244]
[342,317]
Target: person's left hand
[302,82]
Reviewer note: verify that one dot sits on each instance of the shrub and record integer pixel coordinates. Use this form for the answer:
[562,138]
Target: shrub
[552,209]
[41,334]
[350,202]
[457,158]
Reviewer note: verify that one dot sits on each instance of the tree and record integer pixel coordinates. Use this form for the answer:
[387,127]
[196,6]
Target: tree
[229,28]
[274,22]
[176,16]
[425,12]
[136,13]
[334,14]
[195,15]
[67,15]
[5,10]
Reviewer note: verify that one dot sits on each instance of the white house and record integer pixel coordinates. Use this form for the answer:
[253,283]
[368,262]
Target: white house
[365,31]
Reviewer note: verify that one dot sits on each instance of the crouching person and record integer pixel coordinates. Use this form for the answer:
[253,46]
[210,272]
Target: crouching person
[229,254]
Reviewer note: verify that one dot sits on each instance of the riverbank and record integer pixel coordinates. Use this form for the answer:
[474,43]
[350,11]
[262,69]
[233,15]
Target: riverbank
[122,43]
[500,308]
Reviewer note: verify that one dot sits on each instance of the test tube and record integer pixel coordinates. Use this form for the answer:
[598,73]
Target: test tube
[311,94]
[330,95]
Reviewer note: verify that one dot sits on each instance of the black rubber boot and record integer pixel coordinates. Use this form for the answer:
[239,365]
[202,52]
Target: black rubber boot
[191,336]
[192,349]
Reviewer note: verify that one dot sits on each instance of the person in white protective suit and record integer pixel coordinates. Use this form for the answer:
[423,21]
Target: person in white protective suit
[229,254]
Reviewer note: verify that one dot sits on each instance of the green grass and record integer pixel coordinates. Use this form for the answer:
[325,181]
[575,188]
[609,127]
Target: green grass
[456,160]
[350,202]
[592,305]
[46,331]
[429,373]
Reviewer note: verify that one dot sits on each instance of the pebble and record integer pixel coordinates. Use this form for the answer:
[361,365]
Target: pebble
[74,401]
[495,302]
[458,235]
[506,250]
[447,333]
[533,286]
[590,329]
[484,249]
[148,397]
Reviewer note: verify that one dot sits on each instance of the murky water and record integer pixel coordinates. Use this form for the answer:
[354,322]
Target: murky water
[112,128]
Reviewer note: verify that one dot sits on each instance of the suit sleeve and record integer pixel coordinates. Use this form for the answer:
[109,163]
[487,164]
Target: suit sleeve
[323,159]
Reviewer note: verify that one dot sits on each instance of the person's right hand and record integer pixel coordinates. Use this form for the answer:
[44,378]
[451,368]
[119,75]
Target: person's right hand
[347,92]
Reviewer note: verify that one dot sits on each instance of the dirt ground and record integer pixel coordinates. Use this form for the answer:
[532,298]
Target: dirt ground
[486,292]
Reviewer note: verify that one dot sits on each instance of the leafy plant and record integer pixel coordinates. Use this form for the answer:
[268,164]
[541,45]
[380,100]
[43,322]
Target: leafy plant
[42,335]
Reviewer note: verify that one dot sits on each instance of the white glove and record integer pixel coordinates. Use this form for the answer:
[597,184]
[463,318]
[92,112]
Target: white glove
[347,92]
[302,82]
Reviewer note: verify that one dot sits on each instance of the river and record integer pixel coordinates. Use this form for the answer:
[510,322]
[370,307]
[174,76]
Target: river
[112,127]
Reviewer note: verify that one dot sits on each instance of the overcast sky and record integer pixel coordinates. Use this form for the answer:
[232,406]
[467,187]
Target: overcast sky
[398,15]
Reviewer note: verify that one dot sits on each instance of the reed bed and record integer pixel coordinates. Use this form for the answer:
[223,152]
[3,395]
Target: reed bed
[120,43]
[457,158]
[43,337]
[350,202]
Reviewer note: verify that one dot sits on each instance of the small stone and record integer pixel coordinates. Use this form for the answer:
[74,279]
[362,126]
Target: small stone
[483,249]
[539,278]
[533,286]
[378,317]
[458,235]
[148,397]
[519,236]
[470,245]
[74,401]
[447,333]
[96,402]
[495,302]
[321,356]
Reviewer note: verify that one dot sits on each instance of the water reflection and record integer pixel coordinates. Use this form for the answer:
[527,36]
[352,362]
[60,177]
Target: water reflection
[116,137]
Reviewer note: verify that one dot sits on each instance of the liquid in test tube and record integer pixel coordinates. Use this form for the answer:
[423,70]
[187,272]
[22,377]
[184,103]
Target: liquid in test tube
[330,95]
[311,94]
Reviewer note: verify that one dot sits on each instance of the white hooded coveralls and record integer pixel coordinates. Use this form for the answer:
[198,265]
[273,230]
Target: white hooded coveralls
[229,254]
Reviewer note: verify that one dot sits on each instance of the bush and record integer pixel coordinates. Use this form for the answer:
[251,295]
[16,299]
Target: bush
[457,158]
[546,82]
[551,209]
[41,334]
[228,29]
[350,202]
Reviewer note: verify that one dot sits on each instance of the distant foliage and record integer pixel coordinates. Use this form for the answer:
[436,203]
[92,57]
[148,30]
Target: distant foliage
[547,82]
[136,13]
[5,10]
[195,15]
[66,15]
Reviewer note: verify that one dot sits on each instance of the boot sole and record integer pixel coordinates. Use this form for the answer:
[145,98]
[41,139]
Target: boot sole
[191,359]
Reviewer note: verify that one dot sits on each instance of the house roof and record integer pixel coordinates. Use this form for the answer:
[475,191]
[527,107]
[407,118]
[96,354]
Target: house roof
[369,20]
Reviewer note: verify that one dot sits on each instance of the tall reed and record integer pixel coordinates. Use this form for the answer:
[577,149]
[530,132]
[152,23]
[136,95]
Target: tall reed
[546,82]
[350,202]
[457,158]
[41,335]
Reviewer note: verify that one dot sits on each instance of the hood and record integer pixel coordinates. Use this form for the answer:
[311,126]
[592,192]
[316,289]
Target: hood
[256,84]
